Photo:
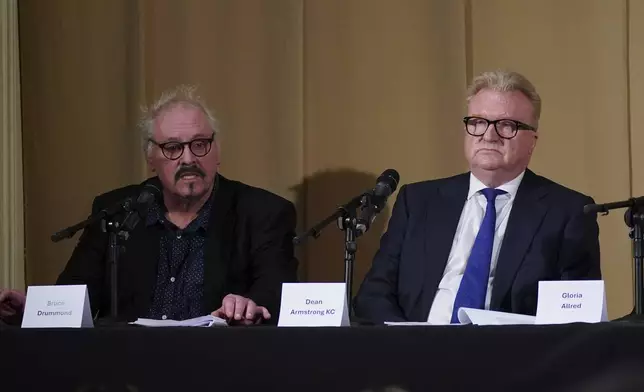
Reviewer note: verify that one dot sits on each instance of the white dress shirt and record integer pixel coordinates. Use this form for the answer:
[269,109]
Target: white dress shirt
[468,227]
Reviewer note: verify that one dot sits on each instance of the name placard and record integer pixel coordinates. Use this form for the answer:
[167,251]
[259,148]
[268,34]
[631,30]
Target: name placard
[57,307]
[313,305]
[571,301]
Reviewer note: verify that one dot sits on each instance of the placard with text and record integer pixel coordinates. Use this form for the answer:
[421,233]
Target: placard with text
[571,301]
[313,305]
[57,307]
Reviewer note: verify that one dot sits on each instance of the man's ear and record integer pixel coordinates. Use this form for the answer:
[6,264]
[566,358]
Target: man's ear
[218,147]
[534,143]
[148,160]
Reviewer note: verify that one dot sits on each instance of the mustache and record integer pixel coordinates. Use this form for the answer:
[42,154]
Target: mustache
[192,169]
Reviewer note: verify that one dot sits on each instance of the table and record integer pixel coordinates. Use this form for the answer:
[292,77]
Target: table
[575,357]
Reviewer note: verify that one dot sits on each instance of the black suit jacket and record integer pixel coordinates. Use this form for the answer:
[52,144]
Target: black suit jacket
[548,237]
[249,251]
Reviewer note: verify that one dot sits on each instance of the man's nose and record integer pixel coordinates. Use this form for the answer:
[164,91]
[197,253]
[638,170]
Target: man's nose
[187,157]
[490,134]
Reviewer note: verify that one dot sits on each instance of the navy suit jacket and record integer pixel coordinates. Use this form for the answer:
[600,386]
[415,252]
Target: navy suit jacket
[548,237]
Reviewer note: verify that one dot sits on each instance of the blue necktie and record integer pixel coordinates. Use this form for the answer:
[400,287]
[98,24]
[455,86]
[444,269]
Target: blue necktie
[473,288]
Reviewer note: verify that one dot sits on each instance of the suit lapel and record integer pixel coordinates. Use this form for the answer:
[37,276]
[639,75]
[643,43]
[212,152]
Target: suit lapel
[443,213]
[525,218]
[218,244]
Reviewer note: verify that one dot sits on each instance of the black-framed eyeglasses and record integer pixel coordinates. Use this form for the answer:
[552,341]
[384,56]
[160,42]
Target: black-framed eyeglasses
[505,128]
[174,150]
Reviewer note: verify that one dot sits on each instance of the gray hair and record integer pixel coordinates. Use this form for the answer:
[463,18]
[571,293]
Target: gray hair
[507,81]
[180,95]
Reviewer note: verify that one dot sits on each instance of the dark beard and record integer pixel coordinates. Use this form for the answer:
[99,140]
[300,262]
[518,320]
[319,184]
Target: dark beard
[192,197]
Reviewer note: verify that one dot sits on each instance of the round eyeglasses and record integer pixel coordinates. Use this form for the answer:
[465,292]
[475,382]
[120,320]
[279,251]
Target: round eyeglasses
[174,150]
[505,128]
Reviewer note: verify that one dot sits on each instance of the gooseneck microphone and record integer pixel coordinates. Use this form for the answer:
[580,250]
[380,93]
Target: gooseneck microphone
[605,207]
[354,218]
[634,219]
[139,208]
[135,207]
[374,201]
[149,194]
[118,220]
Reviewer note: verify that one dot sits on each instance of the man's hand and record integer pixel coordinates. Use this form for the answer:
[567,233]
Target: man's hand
[12,304]
[240,309]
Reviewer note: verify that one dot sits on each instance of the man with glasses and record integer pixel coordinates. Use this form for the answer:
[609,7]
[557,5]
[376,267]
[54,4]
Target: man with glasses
[482,239]
[207,244]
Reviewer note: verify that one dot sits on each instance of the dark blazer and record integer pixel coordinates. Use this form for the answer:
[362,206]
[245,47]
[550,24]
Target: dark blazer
[548,237]
[249,252]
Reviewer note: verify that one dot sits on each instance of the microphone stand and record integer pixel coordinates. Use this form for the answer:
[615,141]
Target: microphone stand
[634,219]
[345,216]
[117,230]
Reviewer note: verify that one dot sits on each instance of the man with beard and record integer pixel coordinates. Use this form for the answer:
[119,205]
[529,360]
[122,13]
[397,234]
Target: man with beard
[206,245]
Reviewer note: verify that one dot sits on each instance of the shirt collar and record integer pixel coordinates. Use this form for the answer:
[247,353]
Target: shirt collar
[510,187]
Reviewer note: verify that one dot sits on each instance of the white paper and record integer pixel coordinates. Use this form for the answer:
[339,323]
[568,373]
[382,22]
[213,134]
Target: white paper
[491,317]
[476,317]
[203,321]
[313,305]
[412,324]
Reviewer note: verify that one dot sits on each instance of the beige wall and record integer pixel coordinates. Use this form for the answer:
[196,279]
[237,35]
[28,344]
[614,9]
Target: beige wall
[317,97]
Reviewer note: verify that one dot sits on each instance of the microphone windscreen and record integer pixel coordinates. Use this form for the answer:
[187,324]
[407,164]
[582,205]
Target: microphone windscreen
[150,191]
[389,178]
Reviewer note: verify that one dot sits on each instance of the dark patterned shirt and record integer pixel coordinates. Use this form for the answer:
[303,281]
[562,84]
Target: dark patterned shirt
[178,294]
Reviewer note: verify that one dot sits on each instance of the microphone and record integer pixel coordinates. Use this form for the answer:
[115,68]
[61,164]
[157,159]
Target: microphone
[604,208]
[374,201]
[151,191]
[135,207]
[138,209]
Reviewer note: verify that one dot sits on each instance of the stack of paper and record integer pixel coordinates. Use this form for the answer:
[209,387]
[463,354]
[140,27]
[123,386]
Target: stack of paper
[490,317]
[480,317]
[203,321]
